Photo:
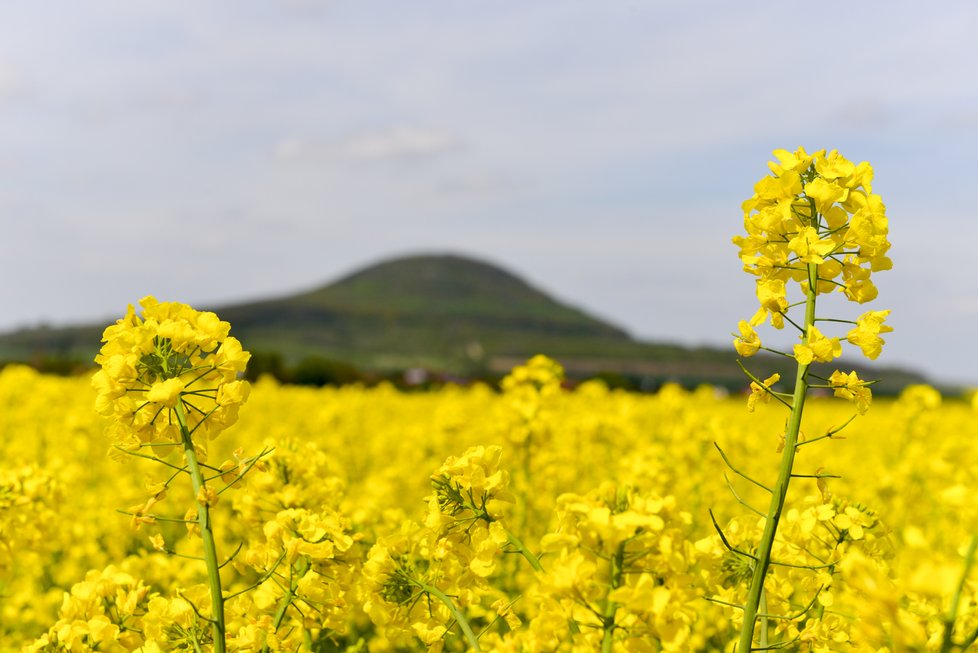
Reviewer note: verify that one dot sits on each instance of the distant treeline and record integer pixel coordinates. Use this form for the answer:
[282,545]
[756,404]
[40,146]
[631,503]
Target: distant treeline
[318,371]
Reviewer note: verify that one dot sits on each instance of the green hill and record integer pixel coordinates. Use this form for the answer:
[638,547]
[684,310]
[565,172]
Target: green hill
[446,313]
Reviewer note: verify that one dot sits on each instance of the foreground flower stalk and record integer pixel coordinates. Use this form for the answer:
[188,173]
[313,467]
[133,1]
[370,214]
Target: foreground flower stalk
[169,379]
[816,222]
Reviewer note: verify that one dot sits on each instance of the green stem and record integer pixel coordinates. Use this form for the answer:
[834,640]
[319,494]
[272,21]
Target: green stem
[764,622]
[952,614]
[282,608]
[610,608]
[525,552]
[206,534]
[463,623]
[780,490]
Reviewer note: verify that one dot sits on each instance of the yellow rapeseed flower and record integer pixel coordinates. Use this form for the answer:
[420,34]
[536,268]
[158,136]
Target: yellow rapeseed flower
[759,393]
[748,342]
[866,335]
[851,387]
[170,358]
[818,348]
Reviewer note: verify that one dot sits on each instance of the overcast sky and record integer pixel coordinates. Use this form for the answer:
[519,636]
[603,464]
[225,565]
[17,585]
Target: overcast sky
[215,151]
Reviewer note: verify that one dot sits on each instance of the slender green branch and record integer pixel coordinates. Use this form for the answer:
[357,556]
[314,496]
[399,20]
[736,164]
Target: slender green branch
[264,452]
[193,606]
[268,574]
[738,472]
[776,395]
[726,543]
[830,386]
[158,518]
[232,556]
[283,607]
[828,434]
[736,496]
[791,617]
[778,645]
[525,552]
[153,458]
[784,314]
[971,639]
[778,563]
[776,351]
[952,614]
[171,552]
[722,602]
[463,623]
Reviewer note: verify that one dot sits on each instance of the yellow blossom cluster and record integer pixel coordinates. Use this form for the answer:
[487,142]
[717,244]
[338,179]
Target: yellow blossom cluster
[814,209]
[171,363]
[375,502]
[620,565]
[815,221]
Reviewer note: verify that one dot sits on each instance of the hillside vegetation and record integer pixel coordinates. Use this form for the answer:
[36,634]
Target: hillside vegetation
[451,314]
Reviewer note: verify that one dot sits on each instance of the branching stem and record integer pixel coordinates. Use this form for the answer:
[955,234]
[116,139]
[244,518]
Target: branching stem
[525,552]
[463,623]
[780,492]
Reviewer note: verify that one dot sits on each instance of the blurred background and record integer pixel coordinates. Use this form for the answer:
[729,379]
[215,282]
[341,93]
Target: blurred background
[218,153]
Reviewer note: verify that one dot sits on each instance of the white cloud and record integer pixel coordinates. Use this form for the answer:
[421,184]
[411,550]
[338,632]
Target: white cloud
[389,144]
[402,143]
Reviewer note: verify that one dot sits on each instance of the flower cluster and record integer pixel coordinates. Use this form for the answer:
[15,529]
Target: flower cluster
[424,577]
[530,390]
[619,567]
[92,613]
[26,515]
[171,364]
[815,209]
[816,221]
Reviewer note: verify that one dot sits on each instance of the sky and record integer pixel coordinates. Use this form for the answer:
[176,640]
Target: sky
[232,150]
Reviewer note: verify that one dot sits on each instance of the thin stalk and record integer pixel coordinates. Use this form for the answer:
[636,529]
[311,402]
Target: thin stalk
[206,534]
[781,486]
[463,623]
[537,567]
[952,614]
[525,552]
[283,607]
[610,607]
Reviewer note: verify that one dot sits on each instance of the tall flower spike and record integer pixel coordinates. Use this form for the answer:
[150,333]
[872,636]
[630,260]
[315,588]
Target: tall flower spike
[170,377]
[814,221]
